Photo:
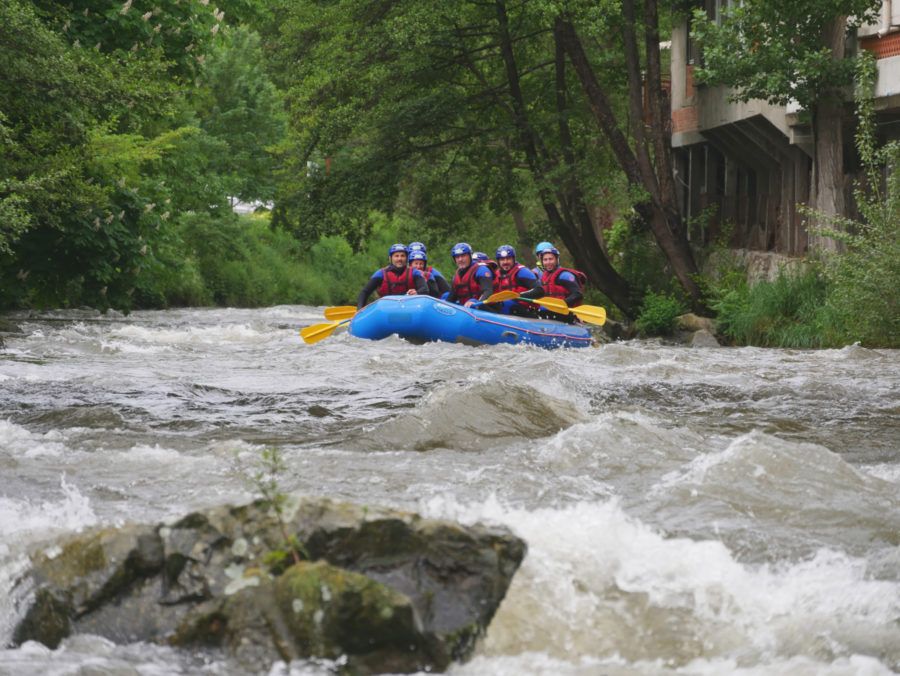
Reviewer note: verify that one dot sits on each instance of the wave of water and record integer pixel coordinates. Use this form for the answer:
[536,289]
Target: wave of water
[599,583]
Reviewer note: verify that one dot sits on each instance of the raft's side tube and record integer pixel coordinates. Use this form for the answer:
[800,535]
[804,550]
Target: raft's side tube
[423,318]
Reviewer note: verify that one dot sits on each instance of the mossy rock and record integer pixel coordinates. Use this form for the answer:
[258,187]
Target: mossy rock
[316,610]
[336,612]
[387,589]
[84,574]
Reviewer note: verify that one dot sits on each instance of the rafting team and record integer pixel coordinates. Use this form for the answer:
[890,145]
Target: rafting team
[477,277]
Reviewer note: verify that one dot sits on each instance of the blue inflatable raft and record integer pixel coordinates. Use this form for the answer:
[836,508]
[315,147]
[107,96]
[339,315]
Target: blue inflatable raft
[424,319]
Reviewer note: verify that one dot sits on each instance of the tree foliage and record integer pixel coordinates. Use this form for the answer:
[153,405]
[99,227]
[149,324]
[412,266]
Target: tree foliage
[101,144]
[239,105]
[455,113]
[126,125]
[777,51]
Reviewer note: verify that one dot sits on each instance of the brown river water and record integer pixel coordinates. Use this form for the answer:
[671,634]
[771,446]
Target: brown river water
[687,511]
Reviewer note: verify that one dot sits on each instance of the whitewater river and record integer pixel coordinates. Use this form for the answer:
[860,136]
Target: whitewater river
[687,511]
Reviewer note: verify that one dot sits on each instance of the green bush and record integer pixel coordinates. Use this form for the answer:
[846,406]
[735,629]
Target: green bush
[863,302]
[658,314]
[243,262]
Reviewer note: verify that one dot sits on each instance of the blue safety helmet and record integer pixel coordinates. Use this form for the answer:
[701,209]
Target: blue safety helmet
[460,249]
[417,255]
[480,256]
[505,251]
[415,246]
[395,248]
[545,247]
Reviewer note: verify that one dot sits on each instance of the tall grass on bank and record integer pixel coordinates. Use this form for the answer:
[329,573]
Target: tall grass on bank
[864,287]
[849,298]
[787,312]
[242,261]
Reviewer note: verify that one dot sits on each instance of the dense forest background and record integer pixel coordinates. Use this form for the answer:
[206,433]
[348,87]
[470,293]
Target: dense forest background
[127,130]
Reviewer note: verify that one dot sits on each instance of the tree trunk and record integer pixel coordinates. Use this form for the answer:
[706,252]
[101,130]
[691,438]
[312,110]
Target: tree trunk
[660,113]
[660,212]
[524,254]
[636,101]
[828,163]
[582,245]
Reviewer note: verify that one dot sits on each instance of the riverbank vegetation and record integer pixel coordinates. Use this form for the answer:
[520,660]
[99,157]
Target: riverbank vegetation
[127,130]
[839,297]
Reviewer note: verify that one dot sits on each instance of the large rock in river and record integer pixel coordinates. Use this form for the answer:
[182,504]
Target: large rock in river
[388,590]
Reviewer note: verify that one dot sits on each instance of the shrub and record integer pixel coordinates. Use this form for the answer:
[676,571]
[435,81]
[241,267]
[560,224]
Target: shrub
[658,314]
[863,302]
[863,305]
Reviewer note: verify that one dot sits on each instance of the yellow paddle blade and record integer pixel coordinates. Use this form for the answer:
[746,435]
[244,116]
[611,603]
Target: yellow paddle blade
[316,332]
[340,312]
[592,314]
[500,296]
[557,305]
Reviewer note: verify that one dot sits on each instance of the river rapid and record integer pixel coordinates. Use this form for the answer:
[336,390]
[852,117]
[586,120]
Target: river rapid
[687,511]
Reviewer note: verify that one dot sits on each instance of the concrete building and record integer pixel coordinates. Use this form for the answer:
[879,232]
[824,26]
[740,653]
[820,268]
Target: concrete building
[745,167]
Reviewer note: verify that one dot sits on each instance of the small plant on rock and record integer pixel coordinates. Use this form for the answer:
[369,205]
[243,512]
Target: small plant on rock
[265,479]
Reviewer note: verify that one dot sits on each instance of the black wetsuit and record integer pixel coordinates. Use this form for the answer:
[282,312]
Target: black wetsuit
[439,284]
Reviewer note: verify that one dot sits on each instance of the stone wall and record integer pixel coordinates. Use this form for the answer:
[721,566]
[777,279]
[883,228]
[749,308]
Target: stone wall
[760,265]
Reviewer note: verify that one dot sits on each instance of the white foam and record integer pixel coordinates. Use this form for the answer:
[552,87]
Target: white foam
[889,472]
[88,654]
[597,582]
[17,441]
[71,513]
[12,571]
[854,665]
[124,347]
[541,664]
[10,433]
[153,454]
[204,335]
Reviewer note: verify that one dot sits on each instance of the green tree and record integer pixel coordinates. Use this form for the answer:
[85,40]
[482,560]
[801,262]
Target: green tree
[98,153]
[240,106]
[783,51]
[50,94]
[454,112]
[640,138]
[173,32]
